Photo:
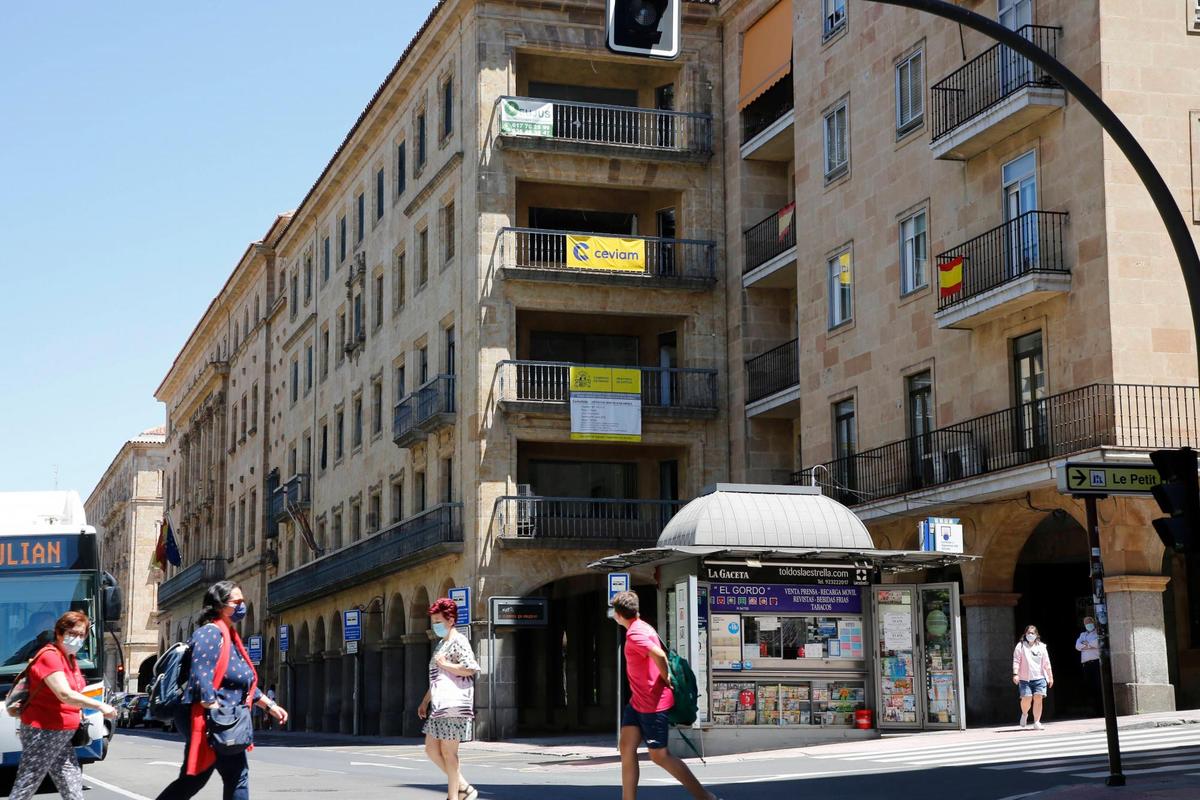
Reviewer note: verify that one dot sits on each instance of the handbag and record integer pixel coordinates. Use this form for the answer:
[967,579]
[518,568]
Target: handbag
[229,729]
[18,696]
[82,737]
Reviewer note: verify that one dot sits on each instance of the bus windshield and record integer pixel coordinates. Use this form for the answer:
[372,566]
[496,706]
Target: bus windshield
[31,604]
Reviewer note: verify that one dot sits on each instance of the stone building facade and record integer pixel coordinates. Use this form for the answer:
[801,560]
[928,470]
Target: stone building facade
[126,507]
[951,281]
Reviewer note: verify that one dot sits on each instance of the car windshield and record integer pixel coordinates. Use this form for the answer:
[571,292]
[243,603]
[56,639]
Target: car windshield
[29,607]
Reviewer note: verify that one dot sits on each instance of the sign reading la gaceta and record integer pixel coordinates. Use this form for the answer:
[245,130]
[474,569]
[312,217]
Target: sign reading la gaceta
[817,574]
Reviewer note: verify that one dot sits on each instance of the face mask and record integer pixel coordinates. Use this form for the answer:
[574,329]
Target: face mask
[1031,637]
[239,613]
[72,644]
[1089,626]
[439,630]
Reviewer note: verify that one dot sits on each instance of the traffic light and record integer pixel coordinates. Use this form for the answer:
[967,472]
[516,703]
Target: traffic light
[643,27]
[1179,496]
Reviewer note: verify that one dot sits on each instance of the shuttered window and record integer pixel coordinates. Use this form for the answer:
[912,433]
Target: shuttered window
[910,92]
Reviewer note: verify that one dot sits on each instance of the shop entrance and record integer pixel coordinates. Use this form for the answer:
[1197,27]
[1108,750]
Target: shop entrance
[1052,579]
[568,670]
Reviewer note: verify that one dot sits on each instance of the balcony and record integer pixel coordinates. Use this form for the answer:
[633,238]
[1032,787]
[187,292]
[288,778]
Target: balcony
[769,124]
[770,251]
[545,386]
[1123,416]
[580,522]
[194,578]
[647,261]
[428,535]
[1009,268]
[993,96]
[430,407]
[296,494]
[566,126]
[773,382]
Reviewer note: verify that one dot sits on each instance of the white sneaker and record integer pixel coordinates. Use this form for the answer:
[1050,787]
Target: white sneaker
[1037,726]
[1024,721]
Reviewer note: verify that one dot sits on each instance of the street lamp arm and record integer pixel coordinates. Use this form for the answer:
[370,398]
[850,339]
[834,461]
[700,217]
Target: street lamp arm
[1160,193]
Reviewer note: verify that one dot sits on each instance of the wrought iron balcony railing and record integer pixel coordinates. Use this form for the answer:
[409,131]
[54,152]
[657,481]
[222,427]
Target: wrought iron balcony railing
[773,371]
[1132,416]
[1028,244]
[404,419]
[435,398]
[199,575]
[772,236]
[619,126]
[549,383]
[655,257]
[985,81]
[297,493]
[774,103]
[430,405]
[392,549]
[581,520]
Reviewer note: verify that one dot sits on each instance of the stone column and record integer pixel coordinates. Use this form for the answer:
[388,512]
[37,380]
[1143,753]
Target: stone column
[505,723]
[416,679]
[316,692]
[349,664]
[1138,641]
[990,625]
[392,708]
[331,719]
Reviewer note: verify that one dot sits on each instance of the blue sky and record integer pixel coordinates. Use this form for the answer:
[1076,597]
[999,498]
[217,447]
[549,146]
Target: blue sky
[142,147]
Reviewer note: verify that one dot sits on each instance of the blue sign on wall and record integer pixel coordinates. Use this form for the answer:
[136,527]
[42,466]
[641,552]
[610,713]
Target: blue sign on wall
[254,647]
[778,597]
[284,635]
[461,595]
[352,626]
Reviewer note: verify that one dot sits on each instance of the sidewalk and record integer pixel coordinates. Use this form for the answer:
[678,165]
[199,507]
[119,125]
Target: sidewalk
[1162,787]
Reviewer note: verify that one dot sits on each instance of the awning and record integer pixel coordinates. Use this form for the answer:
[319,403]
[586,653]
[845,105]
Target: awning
[887,561]
[766,53]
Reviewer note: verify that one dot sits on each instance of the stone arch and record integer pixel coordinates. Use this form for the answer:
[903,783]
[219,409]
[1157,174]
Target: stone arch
[146,673]
[418,616]
[447,585]
[394,618]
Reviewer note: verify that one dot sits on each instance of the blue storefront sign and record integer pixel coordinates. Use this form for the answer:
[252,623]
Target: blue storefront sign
[785,598]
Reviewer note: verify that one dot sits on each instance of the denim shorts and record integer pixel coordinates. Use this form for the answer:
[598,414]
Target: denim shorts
[1030,688]
[653,726]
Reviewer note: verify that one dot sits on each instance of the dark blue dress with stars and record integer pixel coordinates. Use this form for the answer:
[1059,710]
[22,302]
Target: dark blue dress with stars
[239,676]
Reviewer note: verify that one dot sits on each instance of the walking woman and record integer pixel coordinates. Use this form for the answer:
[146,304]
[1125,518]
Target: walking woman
[1088,645]
[51,716]
[1032,674]
[220,677]
[449,706]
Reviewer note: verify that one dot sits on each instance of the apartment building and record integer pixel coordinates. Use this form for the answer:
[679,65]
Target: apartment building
[126,507]
[951,281]
[219,415]
[377,407]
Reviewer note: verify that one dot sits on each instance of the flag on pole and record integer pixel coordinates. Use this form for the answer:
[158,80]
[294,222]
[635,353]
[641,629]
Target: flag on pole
[166,550]
[950,277]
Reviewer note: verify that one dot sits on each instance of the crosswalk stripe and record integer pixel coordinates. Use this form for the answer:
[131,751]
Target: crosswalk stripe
[1131,737]
[1082,749]
[1104,773]
[1034,766]
[1126,763]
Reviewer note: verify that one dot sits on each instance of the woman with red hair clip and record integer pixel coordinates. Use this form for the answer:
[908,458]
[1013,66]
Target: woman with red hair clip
[449,706]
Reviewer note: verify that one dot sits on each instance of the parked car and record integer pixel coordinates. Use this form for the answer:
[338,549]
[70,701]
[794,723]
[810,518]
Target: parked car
[139,711]
[123,706]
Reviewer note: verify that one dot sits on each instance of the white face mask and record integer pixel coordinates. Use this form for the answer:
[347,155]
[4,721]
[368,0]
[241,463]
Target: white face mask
[72,644]
[1031,637]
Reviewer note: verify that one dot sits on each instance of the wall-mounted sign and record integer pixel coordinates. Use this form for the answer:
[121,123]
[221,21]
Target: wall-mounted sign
[461,595]
[285,634]
[351,626]
[606,404]
[726,598]
[817,574]
[526,117]
[520,611]
[254,648]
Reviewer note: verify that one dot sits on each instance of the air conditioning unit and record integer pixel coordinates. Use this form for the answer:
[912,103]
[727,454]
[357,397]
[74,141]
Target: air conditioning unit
[956,463]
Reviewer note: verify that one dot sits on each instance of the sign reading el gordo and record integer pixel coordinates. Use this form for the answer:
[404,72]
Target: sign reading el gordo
[606,252]
[526,118]
[606,404]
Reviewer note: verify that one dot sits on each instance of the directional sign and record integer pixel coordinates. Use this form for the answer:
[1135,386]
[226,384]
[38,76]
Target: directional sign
[1092,479]
[254,646]
[351,626]
[284,637]
[461,595]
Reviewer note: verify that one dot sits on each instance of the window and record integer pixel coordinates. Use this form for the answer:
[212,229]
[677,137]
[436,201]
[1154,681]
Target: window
[844,433]
[447,108]
[419,491]
[397,499]
[231,532]
[254,407]
[914,256]
[294,300]
[360,219]
[841,289]
[339,434]
[293,462]
[324,352]
[835,17]
[421,140]
[305,454]
[376,407]
[448,231]
[295,387]
[360,330]
[325,256]
[450,350]
[342,239]
[1021,247]
[379,183]
[910,92]
[233,428]
[246,320]
[378,300]
[308,279]
[837,144]
[250,519]
[374,511]
[355,521]
[423,366]
[1029,389]
[401,166]
[257,308]
[356,421]
[241,542]
[237,337]
[423,257]
[399,381]
[308,368]
[336,543]
[341,336]
[324,446]
[398,283]
[447,480]
[919,389]
[245,416]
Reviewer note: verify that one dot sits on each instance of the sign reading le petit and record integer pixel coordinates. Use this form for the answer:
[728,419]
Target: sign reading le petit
[789,573]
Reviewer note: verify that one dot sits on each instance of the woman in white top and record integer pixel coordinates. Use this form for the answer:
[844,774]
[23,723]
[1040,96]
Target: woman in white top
[1088,645]
[1032,674]
[449,706]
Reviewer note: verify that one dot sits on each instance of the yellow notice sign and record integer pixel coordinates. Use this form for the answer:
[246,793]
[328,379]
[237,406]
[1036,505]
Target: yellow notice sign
[607,253]
[606,404]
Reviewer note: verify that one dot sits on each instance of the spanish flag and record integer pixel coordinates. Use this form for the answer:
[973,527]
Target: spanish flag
[784,220]
[166,549]
[950,276]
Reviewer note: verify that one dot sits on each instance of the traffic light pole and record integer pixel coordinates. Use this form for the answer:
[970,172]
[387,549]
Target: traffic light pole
[1115,776]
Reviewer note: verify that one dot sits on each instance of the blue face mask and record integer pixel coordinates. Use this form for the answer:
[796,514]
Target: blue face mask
[1089,626]
[239,613]
[439,630]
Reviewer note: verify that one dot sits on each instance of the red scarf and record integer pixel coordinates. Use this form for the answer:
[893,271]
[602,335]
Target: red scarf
[200,755]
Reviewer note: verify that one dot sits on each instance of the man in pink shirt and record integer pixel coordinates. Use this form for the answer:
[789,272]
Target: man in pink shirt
[645,717]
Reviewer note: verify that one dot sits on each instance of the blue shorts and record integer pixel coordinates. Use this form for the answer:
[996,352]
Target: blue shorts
[1030,688]
[653,726]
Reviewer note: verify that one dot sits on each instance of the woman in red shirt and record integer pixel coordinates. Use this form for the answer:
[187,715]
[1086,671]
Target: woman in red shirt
[51,714]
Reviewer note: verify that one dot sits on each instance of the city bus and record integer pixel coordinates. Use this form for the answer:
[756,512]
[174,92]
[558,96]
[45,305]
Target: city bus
[50,564]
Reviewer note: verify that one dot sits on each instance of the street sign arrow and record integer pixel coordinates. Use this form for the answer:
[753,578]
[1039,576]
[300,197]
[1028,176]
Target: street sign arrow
[1125,478]
[1078,479]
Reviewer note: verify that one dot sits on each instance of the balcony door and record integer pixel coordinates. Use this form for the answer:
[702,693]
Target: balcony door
[550,249]
[591,113]
[668,490]
[668,359]
[1015,69]
[845,443]
[664,100]
[666,230]
[1019,178]
[1029,385]
[920,424]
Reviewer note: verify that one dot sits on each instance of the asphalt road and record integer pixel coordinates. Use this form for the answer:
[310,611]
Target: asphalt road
[1005,766]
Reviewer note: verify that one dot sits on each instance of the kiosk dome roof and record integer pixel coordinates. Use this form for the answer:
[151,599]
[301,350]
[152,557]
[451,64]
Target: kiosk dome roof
[750,516]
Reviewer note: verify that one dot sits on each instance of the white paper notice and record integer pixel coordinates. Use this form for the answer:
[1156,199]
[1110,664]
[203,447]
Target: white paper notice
[897,632]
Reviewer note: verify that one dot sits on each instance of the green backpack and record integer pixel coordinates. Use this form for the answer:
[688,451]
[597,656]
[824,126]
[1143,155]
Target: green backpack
[683,683]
